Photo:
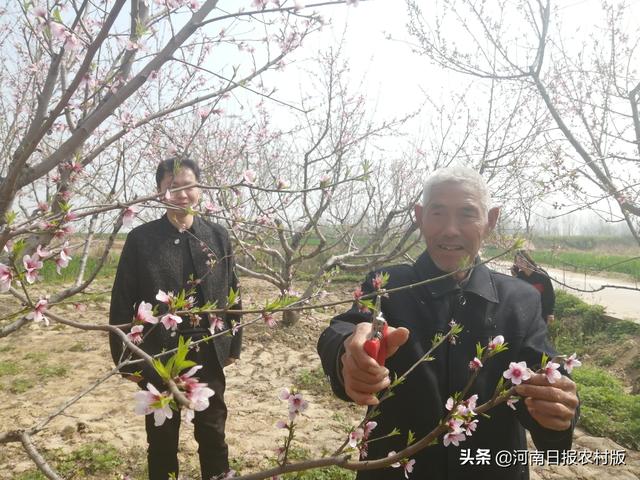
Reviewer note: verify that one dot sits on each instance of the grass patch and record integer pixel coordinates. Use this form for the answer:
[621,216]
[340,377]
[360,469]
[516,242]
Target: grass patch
[92,459]
[590,262]
[606,409]
[313,380]
[21,385]
[79,347]
[36,356]
[9,368]
[69,274]
[583,328]
[31,475]
[46,371]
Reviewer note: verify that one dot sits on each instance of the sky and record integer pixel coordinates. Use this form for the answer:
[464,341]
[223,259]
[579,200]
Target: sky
[375,42]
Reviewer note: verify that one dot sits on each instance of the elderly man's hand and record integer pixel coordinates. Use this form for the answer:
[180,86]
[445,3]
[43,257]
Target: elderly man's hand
[552,405]
[362,375]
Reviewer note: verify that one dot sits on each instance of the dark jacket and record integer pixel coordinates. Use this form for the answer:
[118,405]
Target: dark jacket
[491,304]
[151,260]
[542,283]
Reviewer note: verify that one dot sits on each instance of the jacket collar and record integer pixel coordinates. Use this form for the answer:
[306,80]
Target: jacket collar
[196,227]
[479,281]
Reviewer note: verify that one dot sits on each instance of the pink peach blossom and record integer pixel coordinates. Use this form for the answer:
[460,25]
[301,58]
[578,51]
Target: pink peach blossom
[6,275]
[152,401]
[216,323]
[127,216]
[571,363]
[551,372]
[37,315]
[495,342]
[144,313]
[171,321]
[164,297]
[31,265]
[517,372]
[135,335]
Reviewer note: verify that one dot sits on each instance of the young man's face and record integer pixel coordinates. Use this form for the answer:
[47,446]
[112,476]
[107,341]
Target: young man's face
[454,225]
[185,198]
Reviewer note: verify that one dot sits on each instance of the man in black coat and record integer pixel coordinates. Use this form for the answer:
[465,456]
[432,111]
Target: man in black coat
[179,252]
[454,219]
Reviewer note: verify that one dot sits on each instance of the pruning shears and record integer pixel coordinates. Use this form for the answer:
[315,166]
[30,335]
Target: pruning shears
[376,343]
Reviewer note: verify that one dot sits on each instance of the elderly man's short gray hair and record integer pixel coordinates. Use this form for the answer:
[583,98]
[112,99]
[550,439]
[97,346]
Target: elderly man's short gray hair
[464,176]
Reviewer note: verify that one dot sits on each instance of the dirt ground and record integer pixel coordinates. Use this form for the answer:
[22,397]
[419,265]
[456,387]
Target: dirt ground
[43,367]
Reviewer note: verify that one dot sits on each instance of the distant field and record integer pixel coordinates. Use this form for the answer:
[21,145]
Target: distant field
[69,274]
[589,262]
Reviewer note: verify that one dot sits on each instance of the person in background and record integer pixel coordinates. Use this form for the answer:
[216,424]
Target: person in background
[176,252]
[525,268]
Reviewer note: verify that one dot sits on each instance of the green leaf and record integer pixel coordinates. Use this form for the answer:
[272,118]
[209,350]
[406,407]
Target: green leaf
[160,368]
[207,306]
[545,359]
[232,298]
[10,217]
[18,248]
[367,304]
[410,438]
[184,365]
[56,15]
[518,244]
[141,28]
[500,384]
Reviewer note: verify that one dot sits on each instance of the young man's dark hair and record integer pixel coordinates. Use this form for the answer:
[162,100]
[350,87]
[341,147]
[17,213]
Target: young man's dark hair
[170,165]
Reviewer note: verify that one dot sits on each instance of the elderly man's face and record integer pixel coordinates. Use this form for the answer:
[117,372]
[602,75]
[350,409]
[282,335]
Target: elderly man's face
[453,225]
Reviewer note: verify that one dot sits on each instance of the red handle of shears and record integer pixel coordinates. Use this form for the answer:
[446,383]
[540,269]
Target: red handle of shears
[376,347]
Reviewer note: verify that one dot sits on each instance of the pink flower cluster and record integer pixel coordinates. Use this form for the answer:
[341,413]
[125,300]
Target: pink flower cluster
[144,315]
[198,393]
[128,215]
[32,265]
[297,404]
[269,319]
[169,320]
[378,281]
[406,463]
[461,423]
[6,276]
[152,401]
[63,258]
[37,315]
[358,438]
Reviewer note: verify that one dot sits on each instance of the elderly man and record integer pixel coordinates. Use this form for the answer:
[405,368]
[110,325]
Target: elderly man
[454,219]
[173,253]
